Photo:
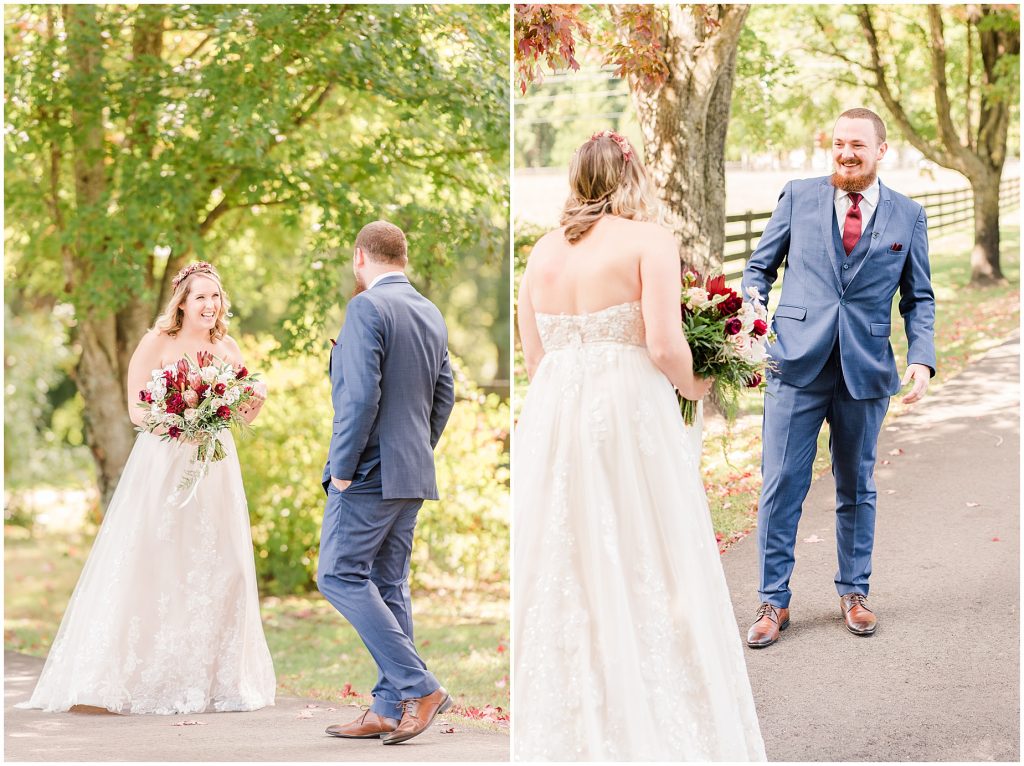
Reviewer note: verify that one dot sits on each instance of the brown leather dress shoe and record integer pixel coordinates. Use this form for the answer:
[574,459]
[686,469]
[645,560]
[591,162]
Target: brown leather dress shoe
[771,620]
[417,713]
[369,725]
[860,620]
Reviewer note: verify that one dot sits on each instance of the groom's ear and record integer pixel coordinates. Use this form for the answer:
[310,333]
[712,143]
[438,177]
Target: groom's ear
[359,258]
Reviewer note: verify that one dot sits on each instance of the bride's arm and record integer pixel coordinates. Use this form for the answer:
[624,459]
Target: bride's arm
[145,359]
[661,292]
[533,349]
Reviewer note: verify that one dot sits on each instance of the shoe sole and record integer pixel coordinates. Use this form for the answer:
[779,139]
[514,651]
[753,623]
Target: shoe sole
[358,736]
[405,738]
[862,632]
[782,627]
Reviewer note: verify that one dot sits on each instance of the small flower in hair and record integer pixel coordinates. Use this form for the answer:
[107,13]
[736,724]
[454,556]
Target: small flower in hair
[199,267]
[621,141]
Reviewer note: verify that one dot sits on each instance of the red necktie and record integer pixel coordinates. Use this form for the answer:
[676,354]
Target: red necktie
[851,228]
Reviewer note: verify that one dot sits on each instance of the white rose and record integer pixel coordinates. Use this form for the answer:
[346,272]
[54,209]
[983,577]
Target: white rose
[208,374]
[159,389]
[698,297]
[226,377]
[232,395]
[218,402]
[191,413]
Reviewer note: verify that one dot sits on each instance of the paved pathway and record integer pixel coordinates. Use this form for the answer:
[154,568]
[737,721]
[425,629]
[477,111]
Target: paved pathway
[939,681]
[289,731]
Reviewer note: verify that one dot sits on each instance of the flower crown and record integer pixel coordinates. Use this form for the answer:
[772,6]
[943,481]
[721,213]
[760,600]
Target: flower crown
[621,141]
[199,267]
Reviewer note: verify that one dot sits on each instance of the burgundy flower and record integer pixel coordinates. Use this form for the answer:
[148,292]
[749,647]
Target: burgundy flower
[204,358]
[203,389]
[145,396]
[250,390]
[760,328]
[224,412]
[175,404]
[732,304]
[733,326]
[241,373]
[219,389]
[754,380]
[174,432]
[168,378]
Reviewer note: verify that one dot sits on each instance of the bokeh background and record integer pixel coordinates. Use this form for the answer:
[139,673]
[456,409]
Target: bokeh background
[260,138]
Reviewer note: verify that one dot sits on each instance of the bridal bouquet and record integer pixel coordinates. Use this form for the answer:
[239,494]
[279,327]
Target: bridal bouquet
[728,337]
[196,400]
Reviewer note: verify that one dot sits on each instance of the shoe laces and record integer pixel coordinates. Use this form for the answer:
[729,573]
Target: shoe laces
[766,610]
[857,599]
[409,707]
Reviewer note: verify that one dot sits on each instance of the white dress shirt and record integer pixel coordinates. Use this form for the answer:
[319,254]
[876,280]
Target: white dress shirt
[379,277]
[868,204]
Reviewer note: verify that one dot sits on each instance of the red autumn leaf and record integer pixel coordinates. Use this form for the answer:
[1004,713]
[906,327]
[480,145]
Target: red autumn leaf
[995,539]
[449,730]
[501,648]
[346,691]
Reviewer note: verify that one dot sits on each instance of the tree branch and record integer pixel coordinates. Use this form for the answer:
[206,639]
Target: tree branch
[935,153]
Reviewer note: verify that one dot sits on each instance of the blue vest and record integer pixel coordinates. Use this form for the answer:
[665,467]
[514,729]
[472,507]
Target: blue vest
[847,265]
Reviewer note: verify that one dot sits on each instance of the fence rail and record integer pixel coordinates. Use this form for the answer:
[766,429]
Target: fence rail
[944,208]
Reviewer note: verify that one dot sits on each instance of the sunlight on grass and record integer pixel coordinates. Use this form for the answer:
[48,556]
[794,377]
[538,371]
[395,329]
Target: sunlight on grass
[316,653]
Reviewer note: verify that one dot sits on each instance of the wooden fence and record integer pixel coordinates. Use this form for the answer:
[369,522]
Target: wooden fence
[944,208]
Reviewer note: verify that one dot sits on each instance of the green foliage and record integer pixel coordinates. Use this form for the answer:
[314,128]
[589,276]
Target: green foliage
[215,123]
[43,442]
[463,539]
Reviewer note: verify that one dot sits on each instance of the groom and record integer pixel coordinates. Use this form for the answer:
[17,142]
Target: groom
[848,243]
[392,389]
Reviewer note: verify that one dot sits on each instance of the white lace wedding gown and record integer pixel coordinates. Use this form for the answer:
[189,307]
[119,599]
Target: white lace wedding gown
[166,616]
[626,647]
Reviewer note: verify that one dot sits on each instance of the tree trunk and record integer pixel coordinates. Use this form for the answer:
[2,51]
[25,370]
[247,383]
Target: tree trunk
[684,123]
[985,268]
[100,373]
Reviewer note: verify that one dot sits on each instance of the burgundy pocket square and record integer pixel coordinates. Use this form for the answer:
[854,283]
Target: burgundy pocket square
[896,246]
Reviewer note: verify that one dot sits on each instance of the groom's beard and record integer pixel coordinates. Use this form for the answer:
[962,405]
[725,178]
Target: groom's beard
[856,183]
[360,286]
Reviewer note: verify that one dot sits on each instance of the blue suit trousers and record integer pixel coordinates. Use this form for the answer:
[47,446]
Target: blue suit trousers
[792,421]
[365,550]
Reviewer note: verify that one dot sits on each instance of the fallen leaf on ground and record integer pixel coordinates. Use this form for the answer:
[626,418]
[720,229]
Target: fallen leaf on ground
[995,539]
[189,723]
[973,505]
[305,714]
[312,705]
[895,452]
[886,462]
[449,730]
[346,691]
[813,539]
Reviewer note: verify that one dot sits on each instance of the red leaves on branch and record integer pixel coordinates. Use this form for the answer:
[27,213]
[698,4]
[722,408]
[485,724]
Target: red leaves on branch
[547,31]
[637,50]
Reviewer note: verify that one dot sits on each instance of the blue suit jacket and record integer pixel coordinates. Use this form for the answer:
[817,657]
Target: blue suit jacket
[815,311]
[392,389]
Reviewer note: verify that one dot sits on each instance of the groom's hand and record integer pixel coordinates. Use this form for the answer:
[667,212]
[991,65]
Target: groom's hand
[920,374]
[340,484]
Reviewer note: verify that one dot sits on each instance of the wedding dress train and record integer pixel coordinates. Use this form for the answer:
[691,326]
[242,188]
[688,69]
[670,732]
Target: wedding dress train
[166,616]
[626,647]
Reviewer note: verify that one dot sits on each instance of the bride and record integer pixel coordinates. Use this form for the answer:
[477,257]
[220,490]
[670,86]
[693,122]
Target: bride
[626,647]
[165,617]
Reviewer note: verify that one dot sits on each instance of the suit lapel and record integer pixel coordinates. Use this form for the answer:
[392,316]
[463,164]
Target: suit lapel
[880,221]
[827,212]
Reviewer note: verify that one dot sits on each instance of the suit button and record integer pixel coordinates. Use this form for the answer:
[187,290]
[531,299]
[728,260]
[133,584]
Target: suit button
[842,302]
[846,266]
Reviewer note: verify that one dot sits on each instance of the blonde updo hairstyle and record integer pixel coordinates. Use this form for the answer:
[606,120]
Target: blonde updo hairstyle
[606,177]
[169,322]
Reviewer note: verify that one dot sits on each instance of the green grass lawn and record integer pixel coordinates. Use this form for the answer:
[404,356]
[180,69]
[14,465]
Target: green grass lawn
[969,321]
[463,637]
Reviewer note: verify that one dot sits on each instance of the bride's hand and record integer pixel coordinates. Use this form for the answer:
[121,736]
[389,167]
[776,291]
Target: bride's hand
[701,388]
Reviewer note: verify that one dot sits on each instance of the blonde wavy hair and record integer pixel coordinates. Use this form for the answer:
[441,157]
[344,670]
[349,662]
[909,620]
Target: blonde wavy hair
[169,321]
[606,177]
